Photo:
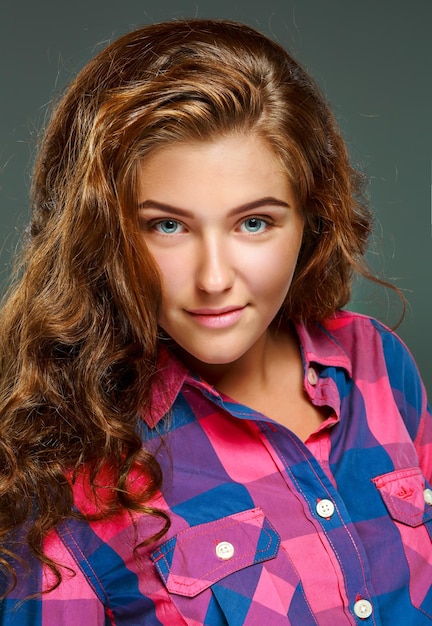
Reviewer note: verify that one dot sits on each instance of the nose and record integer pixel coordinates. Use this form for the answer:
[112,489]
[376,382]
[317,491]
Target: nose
[215,273]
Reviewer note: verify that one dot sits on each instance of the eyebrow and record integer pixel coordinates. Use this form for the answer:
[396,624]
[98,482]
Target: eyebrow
[255,204]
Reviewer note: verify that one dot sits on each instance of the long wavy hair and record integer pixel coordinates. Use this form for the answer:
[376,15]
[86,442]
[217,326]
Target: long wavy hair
[78,330]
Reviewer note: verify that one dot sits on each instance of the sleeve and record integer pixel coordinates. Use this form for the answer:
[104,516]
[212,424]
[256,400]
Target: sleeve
[72,603]
[16,607]
[410,396]
[14,613]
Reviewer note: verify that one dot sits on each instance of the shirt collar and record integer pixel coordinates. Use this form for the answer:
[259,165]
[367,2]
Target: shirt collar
[318,346]
[169,379]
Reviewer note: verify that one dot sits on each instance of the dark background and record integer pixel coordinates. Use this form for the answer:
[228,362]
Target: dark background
[372,59]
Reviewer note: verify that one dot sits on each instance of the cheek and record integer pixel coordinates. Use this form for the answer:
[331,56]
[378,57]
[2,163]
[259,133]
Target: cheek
[174,273]
[272,275]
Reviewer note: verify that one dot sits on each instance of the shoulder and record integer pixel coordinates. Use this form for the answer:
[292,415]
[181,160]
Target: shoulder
[369,351]
[349,323]
[379,359]
[349,340]
[364,337]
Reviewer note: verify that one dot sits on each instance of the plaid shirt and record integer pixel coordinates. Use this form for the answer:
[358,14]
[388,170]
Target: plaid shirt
[266,529]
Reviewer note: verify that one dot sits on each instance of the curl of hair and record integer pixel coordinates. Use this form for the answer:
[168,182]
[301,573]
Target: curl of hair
[78,338]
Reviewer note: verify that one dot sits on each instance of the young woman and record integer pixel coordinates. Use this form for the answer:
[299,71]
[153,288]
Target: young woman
[193,431]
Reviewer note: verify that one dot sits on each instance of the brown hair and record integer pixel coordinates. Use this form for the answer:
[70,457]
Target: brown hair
[79,330]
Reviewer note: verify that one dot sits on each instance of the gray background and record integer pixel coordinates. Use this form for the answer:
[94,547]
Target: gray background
[372,58]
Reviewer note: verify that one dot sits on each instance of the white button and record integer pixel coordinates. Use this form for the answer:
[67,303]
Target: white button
[363,609]
[427,494]
[225,550]
[325,508]
[312,376]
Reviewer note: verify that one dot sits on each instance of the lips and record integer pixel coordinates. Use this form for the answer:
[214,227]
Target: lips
[209,311]
[217,318]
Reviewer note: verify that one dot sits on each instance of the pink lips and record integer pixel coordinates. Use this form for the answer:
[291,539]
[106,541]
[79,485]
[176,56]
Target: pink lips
[217,318]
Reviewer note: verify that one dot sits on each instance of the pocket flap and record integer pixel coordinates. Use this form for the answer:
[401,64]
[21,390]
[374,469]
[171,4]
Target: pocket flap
[403,492]
[201,555]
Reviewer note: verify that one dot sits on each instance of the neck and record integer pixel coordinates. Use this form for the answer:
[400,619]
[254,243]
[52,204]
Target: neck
[254,370]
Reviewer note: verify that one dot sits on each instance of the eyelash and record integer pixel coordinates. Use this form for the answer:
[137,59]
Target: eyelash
[156,225]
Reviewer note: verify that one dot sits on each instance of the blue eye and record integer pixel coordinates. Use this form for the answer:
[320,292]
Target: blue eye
[254,225]
[168,227]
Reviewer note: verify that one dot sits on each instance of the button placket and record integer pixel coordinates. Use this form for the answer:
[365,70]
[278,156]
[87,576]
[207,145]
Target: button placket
[325,508]
[363,609]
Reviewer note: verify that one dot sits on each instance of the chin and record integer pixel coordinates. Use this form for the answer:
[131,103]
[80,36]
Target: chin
[197,358]
[208,359]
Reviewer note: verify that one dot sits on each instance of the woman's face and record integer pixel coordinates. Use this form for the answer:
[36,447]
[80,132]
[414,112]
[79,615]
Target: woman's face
[223,225]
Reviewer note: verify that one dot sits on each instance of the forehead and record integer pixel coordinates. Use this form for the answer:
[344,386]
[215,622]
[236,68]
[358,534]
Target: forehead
[224,171]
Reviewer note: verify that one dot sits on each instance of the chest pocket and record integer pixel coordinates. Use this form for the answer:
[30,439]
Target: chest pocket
[406,495]
[408,499]
[198,558]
